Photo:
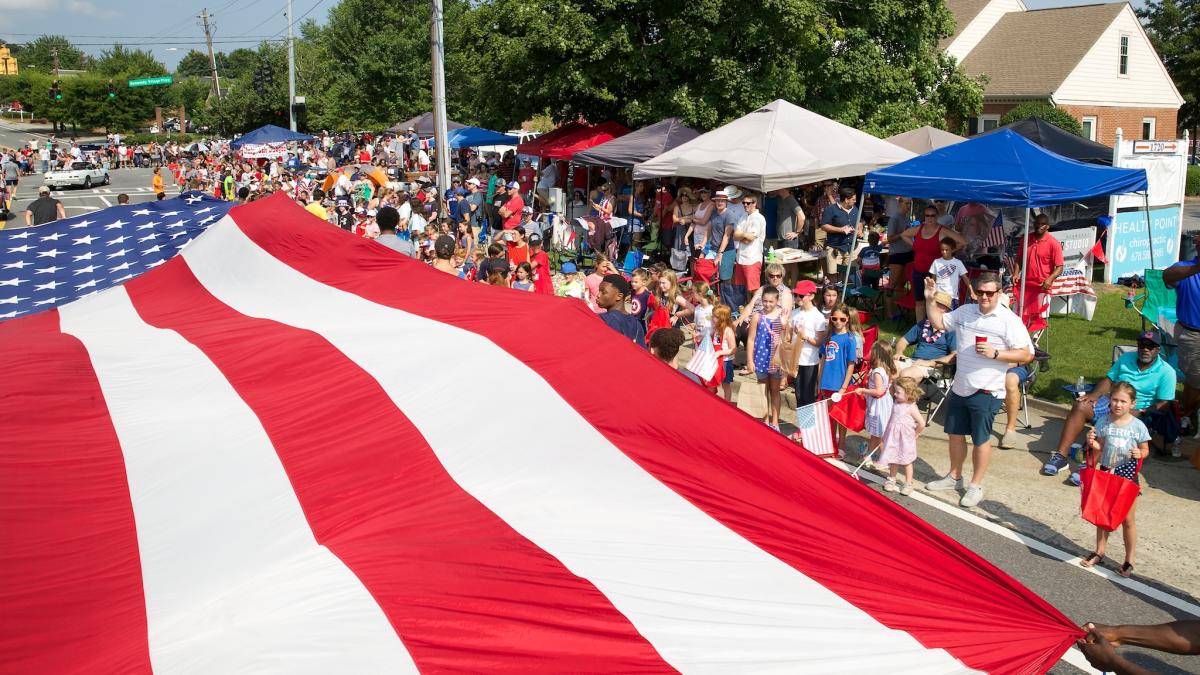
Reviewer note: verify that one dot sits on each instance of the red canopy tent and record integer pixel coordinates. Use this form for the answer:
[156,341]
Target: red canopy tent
[564,142]
[533,147]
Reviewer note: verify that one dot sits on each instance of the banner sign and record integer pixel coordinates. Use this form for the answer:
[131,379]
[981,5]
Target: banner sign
[1129,249]
[1077,274]
[260,150]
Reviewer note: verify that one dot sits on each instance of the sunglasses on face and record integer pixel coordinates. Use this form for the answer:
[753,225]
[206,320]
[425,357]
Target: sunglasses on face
[747,203]
[986,294]
[1147,345]
[774,276]
[838,320]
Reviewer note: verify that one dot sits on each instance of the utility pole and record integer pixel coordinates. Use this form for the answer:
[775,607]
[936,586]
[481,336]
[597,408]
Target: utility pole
[212,58]
[54,52]
[439,99]
[291,70]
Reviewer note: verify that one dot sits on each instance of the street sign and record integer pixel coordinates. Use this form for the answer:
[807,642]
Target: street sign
[150,81]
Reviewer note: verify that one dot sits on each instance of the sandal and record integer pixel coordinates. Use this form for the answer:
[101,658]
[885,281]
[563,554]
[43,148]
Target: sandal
[1092,560]
[1126,569]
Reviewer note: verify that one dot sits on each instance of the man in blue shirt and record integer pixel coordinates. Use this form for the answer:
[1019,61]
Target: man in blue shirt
[933,348]
[1184,277]
[1152,378]
[839,222]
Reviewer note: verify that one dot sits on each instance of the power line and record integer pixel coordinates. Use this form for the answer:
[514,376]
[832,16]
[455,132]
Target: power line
[153,44]
[123,37]
[299,18]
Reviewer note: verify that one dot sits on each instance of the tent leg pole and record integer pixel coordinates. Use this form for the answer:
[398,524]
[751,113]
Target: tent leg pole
[862,200]
[1149,232]
[1023,300]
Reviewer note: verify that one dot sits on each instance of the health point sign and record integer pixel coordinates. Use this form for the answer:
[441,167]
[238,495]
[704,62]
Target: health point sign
[1130,248]
[150,81]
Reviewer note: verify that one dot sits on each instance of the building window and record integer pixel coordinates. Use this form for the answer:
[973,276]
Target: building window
[1148,128]
[1123,67]
[1089,128]
[988,122]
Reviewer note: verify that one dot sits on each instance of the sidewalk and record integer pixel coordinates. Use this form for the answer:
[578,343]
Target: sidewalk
[1046,508]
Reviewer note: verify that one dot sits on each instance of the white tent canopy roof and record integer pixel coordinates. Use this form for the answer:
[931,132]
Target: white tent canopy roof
[925,139]
[776,146]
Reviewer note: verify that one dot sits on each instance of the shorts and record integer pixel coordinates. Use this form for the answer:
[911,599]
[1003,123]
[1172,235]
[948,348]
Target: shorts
[835,257]
[900,259]
[749,276]
[918,285]
[726,264]
[10,181]
[972,415]
[728,372]
[1189,355]
[1022,374]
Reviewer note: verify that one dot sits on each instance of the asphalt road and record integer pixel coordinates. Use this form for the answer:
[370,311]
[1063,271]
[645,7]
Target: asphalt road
[76,201]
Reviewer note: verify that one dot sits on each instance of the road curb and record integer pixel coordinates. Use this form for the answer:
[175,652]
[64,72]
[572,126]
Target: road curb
[1042,405]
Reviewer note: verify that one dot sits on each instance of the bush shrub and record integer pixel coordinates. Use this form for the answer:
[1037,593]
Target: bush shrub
[1193,182]
[1056,116]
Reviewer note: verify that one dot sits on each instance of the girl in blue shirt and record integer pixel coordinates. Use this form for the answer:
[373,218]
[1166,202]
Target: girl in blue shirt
[838,355]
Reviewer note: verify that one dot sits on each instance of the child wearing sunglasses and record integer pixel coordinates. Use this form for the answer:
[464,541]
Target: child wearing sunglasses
[838,356]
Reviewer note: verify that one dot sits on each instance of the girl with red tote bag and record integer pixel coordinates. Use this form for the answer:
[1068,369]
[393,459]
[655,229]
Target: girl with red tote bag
[1115,450]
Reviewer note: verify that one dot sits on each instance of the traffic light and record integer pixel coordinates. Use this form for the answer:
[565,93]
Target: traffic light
[268,74]
[260,80]
[55,92]
[112,90]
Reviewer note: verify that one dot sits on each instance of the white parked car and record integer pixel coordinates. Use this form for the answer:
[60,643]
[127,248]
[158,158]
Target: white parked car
[84,174]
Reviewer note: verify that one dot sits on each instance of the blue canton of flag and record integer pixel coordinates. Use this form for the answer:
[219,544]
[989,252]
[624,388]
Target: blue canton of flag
[50,265]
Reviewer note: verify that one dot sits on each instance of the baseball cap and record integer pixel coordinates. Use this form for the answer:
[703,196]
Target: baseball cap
[473,181]
[527,209]
[720,194]
[1150,336]
[444,246]
[805,287]
[535,239]
[44,188]
[569,268]
[512,185]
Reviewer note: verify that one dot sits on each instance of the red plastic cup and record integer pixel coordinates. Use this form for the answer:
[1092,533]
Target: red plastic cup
[980,339]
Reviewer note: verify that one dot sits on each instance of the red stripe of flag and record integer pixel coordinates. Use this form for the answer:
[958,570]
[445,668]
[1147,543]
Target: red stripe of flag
[790,504]
[70,575]
[463,590]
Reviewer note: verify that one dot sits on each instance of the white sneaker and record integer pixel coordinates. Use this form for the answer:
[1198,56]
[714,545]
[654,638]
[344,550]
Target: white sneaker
[890,486]
[946,483]
[907,490]
[973,496]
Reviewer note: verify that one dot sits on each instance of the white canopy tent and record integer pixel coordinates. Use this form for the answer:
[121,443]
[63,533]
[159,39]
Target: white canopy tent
[924,139]
[776,146]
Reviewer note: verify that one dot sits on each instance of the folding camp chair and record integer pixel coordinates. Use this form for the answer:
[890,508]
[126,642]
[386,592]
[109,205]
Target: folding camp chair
[942,379]
[870,335]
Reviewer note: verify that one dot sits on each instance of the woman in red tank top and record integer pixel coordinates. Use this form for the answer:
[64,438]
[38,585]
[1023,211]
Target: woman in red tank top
[926,244]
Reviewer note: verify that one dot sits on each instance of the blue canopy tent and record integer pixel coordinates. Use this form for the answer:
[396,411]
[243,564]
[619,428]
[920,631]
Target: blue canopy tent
[470,137]
[1006,169]
[269,133]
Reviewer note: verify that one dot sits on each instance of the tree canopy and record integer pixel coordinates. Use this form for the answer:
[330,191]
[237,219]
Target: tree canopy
[1174,29]
[1056,116]
[876,66]
[39,54]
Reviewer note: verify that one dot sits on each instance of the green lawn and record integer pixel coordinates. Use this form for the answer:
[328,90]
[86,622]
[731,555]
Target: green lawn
[1076,346]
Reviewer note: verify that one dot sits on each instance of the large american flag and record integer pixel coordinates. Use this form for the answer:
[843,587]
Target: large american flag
[996,235]
[50,265]
[259,457]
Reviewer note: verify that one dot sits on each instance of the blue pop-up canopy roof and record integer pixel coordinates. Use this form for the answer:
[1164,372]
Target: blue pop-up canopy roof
[470,137]
[269,134]
[1005,169]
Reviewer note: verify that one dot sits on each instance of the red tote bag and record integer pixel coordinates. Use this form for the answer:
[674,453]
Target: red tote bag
[1106,498]
[851,411]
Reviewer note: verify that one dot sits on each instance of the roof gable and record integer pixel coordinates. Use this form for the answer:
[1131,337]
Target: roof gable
[963,12]
[1031,53]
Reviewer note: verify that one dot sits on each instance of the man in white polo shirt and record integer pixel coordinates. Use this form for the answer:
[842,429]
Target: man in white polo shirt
[990,338]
